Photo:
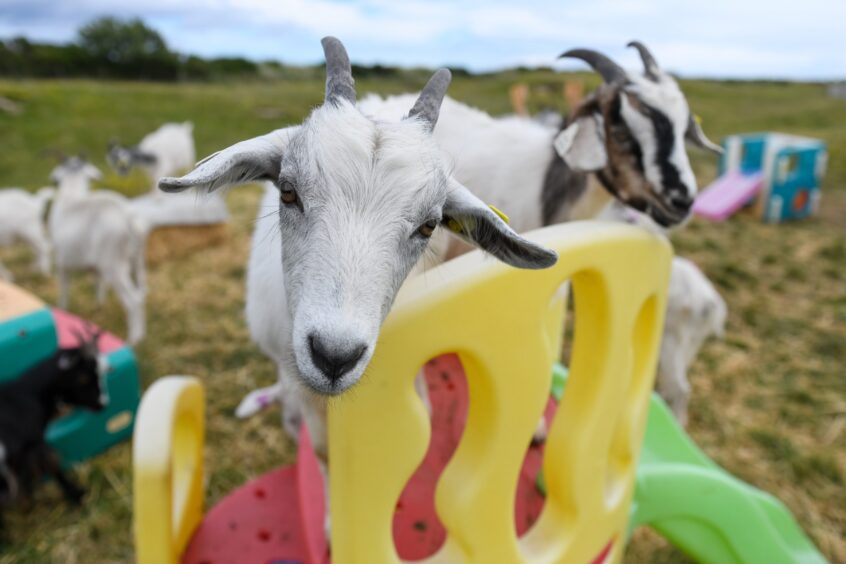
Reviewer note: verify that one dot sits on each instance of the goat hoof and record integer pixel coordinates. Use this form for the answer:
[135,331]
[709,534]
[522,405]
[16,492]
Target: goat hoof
[75,496]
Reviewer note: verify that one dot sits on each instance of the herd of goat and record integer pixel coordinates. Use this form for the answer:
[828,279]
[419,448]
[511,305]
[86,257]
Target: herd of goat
[97,230]
[363,187]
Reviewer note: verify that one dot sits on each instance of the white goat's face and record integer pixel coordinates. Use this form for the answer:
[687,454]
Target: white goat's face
[75,166]
[358,201]
[632,133]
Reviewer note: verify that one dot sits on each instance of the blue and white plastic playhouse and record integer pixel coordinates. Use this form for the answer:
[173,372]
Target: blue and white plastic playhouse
[779,175]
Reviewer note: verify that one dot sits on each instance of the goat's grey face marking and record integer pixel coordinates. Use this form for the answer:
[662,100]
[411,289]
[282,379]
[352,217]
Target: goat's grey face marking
[354,197]
[646,125]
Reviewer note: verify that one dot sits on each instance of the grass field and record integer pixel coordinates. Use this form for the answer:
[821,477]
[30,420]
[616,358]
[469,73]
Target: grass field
[769,402]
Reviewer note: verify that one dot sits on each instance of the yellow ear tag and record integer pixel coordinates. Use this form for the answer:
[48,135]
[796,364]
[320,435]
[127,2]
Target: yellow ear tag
[697,119]
[500,213]
[454,226]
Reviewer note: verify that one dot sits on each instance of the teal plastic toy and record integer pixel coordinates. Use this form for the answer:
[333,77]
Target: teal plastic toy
[34,335]
[700,508]
[24,340]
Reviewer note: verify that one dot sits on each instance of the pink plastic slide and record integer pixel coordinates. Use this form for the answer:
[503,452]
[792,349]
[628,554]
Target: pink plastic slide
[727,194]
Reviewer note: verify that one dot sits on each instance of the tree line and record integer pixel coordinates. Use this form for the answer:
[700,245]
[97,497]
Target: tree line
[111,48]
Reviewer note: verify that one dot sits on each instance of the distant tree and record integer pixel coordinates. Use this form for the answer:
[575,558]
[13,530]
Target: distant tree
[128,49]
[121,41]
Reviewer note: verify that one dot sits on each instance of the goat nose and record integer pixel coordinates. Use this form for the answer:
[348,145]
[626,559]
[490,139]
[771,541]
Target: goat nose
[336,362]
[681,201]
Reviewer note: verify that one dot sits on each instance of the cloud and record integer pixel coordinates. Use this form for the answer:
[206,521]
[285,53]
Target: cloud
[726,38]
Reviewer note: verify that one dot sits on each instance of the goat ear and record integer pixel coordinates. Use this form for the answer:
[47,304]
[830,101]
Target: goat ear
[582,144]
[696,136]
[252,160]
[469,218]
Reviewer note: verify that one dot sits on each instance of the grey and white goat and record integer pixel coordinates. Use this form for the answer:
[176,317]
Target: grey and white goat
[355,201]
[97,230]
[164,152]
[22,218]
[626,140]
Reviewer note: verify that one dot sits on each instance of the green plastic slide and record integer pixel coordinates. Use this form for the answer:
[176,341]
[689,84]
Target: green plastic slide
[700,508]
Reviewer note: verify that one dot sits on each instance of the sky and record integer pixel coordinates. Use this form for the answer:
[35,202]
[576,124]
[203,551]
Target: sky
[797,40]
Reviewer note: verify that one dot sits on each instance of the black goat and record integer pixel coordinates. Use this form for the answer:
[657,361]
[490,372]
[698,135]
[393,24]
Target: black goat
[71,377]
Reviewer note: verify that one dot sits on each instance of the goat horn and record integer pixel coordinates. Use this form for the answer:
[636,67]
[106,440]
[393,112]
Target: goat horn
[428,104]
[650,65]
[608,69]
[339,80]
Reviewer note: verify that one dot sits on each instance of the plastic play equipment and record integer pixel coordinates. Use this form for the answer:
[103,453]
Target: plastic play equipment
[727,194]
[506,346]
[780,174]
[466,492]
[702,509]
[29,333]
[699,507]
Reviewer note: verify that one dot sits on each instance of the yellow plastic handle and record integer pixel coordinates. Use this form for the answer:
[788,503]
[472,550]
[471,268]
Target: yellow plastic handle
[167,458]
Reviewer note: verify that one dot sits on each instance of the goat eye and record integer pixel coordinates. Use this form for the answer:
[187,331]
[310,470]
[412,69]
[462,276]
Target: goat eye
[288,195]
[427,228]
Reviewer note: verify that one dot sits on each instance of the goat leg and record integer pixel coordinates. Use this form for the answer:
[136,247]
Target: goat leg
[72,491]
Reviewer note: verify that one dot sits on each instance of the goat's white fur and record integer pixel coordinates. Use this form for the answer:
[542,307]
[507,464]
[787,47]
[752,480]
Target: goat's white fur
[99,231]
[695,311]
[22,218]
[502,160]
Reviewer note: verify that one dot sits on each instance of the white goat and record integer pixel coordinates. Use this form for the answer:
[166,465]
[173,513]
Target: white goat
[99,231]
[695,311]
[22,217]
[164,152]
[357,202]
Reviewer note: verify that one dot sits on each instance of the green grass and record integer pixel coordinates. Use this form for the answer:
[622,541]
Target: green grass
[769,401]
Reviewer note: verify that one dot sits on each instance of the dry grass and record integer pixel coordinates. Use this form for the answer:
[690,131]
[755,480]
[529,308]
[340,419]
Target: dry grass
[769,402]
[172,242]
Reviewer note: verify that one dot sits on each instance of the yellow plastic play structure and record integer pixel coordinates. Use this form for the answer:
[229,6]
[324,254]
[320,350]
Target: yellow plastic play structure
[505,324]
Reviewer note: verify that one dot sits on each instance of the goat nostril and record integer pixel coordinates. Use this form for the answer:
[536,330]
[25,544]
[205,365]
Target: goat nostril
[334,363]
[682,202]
